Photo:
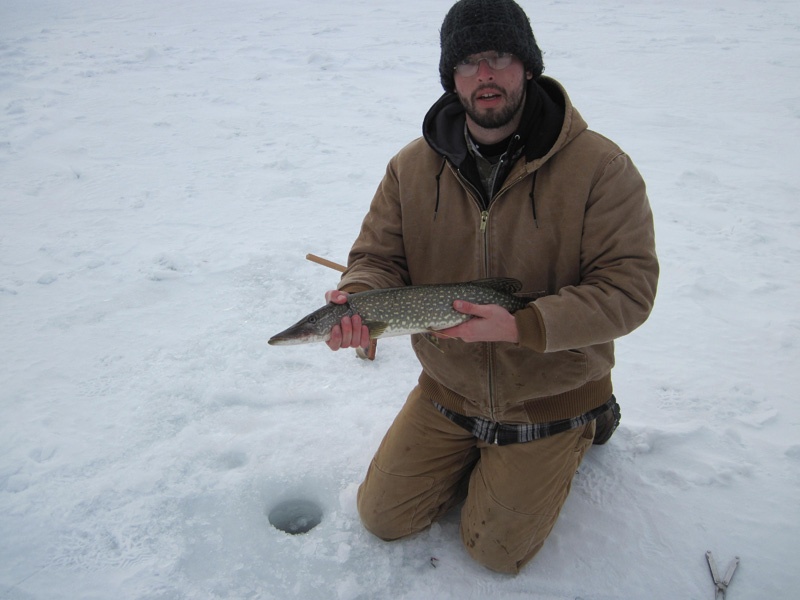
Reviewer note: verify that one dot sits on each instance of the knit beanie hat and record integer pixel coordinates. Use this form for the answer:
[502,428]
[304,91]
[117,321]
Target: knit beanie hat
[473,26]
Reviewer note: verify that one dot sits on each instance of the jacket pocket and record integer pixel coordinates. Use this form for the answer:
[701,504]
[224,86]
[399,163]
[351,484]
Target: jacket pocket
[524,375]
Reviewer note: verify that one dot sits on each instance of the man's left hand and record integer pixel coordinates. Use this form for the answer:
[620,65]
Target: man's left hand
[490,323]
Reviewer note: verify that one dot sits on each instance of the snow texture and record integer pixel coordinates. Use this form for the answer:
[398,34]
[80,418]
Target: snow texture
[166,166]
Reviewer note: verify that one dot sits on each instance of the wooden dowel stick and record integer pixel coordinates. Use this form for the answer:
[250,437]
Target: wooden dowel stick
[326,263]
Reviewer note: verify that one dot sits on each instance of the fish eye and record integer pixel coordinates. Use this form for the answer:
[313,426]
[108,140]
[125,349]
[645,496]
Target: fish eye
[312,319]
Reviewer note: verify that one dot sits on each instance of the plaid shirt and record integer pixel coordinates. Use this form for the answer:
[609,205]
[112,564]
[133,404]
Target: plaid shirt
[501,435]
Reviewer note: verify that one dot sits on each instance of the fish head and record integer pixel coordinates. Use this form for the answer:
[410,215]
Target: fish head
[315,327]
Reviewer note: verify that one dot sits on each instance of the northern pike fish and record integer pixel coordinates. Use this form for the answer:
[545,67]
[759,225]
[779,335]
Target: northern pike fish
[405,310]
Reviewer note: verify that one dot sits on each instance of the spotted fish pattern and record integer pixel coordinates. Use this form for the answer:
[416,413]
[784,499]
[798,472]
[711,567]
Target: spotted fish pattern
[405,310]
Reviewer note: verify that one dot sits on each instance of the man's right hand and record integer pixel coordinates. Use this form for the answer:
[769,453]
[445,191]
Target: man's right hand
[350,332]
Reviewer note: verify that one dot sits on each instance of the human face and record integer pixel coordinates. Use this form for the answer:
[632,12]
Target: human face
[492,98]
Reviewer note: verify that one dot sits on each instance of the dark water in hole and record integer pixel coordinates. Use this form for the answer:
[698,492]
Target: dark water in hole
[296,516]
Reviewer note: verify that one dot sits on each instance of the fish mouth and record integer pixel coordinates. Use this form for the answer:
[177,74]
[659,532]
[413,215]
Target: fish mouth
[279,340]
[294,339]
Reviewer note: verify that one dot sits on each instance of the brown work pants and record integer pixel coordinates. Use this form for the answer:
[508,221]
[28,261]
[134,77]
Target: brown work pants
[426,464]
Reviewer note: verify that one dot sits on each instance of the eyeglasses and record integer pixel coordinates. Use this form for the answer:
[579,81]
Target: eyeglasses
[497,61]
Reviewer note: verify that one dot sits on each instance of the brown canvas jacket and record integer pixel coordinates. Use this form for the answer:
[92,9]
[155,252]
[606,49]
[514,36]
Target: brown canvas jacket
[575,226]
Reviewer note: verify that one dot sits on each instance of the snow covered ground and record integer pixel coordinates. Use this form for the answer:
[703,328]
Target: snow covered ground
[164,169]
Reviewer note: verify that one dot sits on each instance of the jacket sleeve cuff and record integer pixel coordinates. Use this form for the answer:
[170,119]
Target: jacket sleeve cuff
[354,288]
[530,326]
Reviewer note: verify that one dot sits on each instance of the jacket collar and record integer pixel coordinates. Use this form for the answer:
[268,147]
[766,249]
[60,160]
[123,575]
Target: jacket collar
[542,122]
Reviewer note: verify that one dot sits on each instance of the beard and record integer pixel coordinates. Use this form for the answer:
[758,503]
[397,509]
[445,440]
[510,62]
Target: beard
[494,118]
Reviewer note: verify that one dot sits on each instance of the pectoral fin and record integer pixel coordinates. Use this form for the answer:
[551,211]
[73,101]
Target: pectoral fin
[376,328]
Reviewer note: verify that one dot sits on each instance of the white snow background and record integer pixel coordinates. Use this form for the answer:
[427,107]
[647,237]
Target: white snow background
[166,166]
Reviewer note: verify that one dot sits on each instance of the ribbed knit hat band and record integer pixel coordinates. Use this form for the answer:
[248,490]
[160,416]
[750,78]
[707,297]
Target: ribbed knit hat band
[473,26]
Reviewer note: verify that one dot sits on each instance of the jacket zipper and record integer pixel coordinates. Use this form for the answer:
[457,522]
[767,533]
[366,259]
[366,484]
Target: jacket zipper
[489,347]
[483,226]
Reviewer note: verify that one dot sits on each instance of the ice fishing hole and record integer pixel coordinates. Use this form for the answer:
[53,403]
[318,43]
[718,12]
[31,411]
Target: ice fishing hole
[296,516]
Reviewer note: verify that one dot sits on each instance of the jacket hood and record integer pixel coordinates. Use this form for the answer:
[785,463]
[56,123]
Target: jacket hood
[548,123]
